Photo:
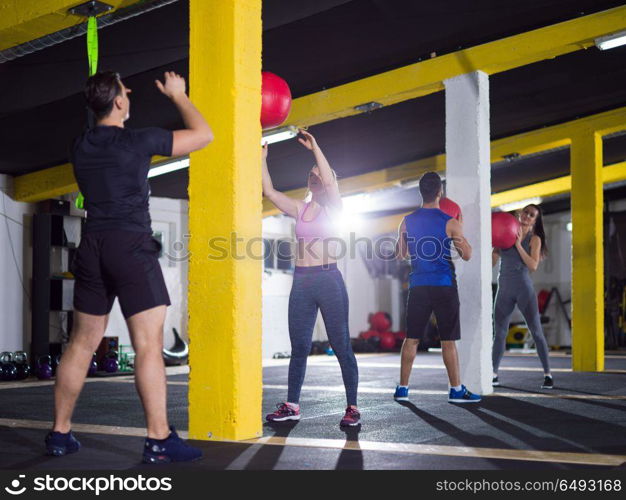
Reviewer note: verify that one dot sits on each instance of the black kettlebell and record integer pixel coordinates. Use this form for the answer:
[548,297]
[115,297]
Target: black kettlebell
[93,366]
[110,363]
[8,371]
[44,367]
[20,358]
[56,359]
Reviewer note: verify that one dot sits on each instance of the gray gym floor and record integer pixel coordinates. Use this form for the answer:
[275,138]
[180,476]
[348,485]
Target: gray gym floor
[581,423]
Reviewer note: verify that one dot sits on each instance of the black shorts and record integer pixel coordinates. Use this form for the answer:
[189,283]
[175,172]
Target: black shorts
[123,264]
[443,301]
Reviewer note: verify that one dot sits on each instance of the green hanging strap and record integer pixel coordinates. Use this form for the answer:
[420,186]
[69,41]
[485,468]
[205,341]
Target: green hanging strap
[92,58]
[92,45]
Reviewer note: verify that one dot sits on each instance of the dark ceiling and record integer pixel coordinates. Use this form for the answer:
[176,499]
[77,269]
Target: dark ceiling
[317,45]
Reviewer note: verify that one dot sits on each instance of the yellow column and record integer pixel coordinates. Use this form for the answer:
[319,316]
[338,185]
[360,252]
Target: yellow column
[225,387]
[587,253]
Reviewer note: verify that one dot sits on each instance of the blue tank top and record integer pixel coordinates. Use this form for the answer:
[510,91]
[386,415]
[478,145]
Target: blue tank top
[429,248]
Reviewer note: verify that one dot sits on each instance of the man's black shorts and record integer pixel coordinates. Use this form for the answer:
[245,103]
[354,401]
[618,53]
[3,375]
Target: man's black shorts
[123,264]
[443,301]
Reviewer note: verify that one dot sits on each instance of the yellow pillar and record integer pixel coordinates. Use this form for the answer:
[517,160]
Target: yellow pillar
[587,253]
[225,388]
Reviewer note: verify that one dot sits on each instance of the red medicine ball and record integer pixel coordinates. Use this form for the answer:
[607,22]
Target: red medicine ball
[504,228]
[275,100]
[447,206]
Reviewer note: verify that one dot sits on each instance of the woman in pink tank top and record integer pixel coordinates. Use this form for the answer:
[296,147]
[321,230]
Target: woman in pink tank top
[317,283]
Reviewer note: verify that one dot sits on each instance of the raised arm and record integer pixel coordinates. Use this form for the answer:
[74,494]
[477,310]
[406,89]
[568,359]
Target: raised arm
[495,257]
[283,202]
[454,229]
[402,248]
[197,133]
[328,178]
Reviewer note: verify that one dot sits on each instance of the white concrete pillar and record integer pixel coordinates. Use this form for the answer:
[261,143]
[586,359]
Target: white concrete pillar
[468,182]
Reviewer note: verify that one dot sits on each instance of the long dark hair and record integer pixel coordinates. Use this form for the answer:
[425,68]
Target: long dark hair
[539,230]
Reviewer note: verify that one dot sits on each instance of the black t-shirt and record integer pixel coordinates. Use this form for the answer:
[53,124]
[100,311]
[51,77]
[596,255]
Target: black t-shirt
[111,166]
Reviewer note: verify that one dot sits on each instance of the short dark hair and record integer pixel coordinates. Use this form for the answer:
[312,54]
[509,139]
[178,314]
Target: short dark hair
[101,90]
[430,185]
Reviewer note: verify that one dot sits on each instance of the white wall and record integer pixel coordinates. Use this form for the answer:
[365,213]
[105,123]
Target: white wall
[276,288]
[15,269]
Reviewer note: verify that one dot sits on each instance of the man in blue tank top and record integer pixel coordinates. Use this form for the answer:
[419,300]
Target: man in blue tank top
[426,237]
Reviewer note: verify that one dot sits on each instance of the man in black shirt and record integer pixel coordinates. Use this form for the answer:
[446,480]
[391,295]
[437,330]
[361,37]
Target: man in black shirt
[118,257]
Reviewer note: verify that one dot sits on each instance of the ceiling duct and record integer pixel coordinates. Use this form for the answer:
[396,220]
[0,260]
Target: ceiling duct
[63,35]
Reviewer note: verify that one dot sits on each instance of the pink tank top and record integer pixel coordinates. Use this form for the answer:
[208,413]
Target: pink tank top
[321,227]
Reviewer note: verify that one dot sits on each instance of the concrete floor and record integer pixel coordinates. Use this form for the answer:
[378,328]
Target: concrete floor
[579,424]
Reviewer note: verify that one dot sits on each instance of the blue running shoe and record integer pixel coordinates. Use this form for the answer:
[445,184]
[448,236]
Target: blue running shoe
[463,396]
[171,449]
[402,393]
[59,443]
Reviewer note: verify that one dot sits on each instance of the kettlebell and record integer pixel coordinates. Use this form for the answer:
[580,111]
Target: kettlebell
[110,363]
[44,367]
[56,359]
[20,358]
[93,366]
[8,371]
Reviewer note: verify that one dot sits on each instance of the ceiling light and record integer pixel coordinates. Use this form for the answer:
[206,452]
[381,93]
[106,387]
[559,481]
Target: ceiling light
[279,134]
[166,168]
[516,205]
[611,41]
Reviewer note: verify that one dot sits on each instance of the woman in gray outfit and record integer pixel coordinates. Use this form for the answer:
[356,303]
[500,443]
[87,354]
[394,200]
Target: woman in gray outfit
[516,288]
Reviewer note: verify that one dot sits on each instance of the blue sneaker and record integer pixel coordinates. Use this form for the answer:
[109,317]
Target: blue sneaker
[59,443]
[171,449]
[463,396]
[402,393]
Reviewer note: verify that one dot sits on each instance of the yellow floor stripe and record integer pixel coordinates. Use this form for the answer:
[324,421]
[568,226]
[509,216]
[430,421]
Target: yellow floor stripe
[387,447]
[451,451]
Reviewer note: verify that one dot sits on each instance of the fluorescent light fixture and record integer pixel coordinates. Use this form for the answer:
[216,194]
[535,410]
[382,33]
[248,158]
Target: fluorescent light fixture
[279,134]
[355,203]
[516,205]
[611,41]
[568,226]
[166,168]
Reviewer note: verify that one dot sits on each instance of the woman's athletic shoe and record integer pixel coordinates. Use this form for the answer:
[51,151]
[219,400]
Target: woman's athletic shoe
[283,413]
[171,449]
[495,382]
[463,396]
[59,443]
[351,418]
[402,393]
[547,383]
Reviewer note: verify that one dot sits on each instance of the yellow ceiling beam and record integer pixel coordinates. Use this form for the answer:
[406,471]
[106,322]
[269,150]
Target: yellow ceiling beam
[560,185]
[50,182]
[426,77]
[25,20]
[372,181]
[611,173]
[559,135]
[526,143]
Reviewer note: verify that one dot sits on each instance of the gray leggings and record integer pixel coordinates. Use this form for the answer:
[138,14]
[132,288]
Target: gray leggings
[518,291]
[315,288]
